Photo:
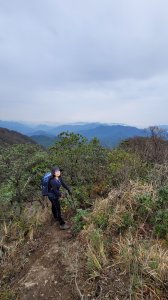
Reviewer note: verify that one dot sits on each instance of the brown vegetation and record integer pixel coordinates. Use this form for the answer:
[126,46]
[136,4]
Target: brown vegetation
[10,137]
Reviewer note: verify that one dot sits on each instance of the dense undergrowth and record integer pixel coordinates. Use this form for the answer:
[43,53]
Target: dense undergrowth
[128,231]
[119,212]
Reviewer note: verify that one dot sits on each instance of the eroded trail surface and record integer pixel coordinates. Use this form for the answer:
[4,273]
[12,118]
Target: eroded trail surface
[47,275]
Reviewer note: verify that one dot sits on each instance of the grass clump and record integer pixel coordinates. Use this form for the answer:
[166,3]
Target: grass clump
[127,231]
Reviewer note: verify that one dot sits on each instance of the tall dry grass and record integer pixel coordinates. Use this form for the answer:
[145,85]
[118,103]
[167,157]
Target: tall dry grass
[15,232]
[111,240]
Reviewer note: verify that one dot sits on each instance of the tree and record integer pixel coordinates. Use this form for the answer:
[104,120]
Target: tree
[84,162]
[152,149]
[17,164]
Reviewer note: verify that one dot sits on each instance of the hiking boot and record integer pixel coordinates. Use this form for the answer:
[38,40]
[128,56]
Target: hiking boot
[64,226]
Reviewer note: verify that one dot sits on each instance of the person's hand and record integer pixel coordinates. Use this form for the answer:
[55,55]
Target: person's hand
[59,194]
[62,195]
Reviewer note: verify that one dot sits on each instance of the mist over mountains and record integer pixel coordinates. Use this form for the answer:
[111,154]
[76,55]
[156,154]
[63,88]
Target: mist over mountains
[48,130]
[110,135]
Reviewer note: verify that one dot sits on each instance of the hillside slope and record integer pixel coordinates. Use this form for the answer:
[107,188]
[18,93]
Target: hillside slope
[10,137]
[110,256]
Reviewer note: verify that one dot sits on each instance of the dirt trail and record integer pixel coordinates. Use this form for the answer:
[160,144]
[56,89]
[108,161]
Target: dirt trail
[47,275]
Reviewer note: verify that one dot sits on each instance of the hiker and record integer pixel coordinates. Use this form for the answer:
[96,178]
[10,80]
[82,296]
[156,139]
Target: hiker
[54,185]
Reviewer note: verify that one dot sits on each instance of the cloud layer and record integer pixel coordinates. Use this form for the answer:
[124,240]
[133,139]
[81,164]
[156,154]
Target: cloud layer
[92,60]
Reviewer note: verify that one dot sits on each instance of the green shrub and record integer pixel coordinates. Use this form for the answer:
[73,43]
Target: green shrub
[162,201]
[100,219]
[78,220]
[155,211]
[161,223]
[128,220]
[145,204]
[81,196]
[124,166]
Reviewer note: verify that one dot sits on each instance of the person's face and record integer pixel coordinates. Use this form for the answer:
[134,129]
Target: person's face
[57,173]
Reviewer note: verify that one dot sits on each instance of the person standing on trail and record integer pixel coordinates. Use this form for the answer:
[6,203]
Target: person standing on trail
[54,185]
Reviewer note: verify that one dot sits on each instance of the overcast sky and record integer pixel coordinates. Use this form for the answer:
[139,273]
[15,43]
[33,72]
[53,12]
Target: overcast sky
[84,60]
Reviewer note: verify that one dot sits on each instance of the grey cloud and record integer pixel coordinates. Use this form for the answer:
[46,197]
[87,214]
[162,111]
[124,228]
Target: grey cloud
[80,51]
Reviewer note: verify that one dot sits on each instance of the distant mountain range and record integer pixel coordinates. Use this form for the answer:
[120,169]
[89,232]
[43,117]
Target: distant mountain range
[113,135]
[44,140]
[46,130]
[110,135]
[164,127]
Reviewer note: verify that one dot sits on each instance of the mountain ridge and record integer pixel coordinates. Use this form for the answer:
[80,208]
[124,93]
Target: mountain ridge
[110,135]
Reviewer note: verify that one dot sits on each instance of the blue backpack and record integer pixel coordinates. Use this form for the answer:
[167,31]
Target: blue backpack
[45,183]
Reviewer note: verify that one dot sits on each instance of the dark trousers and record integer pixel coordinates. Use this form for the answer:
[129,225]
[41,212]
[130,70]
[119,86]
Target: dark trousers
[56,209]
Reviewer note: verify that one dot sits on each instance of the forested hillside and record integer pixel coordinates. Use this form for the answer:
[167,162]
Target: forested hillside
[10,137]
[118,214]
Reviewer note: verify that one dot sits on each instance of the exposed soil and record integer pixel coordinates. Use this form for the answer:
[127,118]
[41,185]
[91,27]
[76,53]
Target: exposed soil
[47,268]
[46,274]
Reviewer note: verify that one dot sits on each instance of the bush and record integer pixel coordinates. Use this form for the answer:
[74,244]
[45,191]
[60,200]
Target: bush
[161,223]
[154,211]
[81,196]
[100,219]
[161,216]
[79,220]
[127,220]
[124,166]
[145,203]
[162,201]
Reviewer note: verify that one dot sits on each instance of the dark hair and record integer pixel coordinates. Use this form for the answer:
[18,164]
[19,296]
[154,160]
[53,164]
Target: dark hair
[54,170]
